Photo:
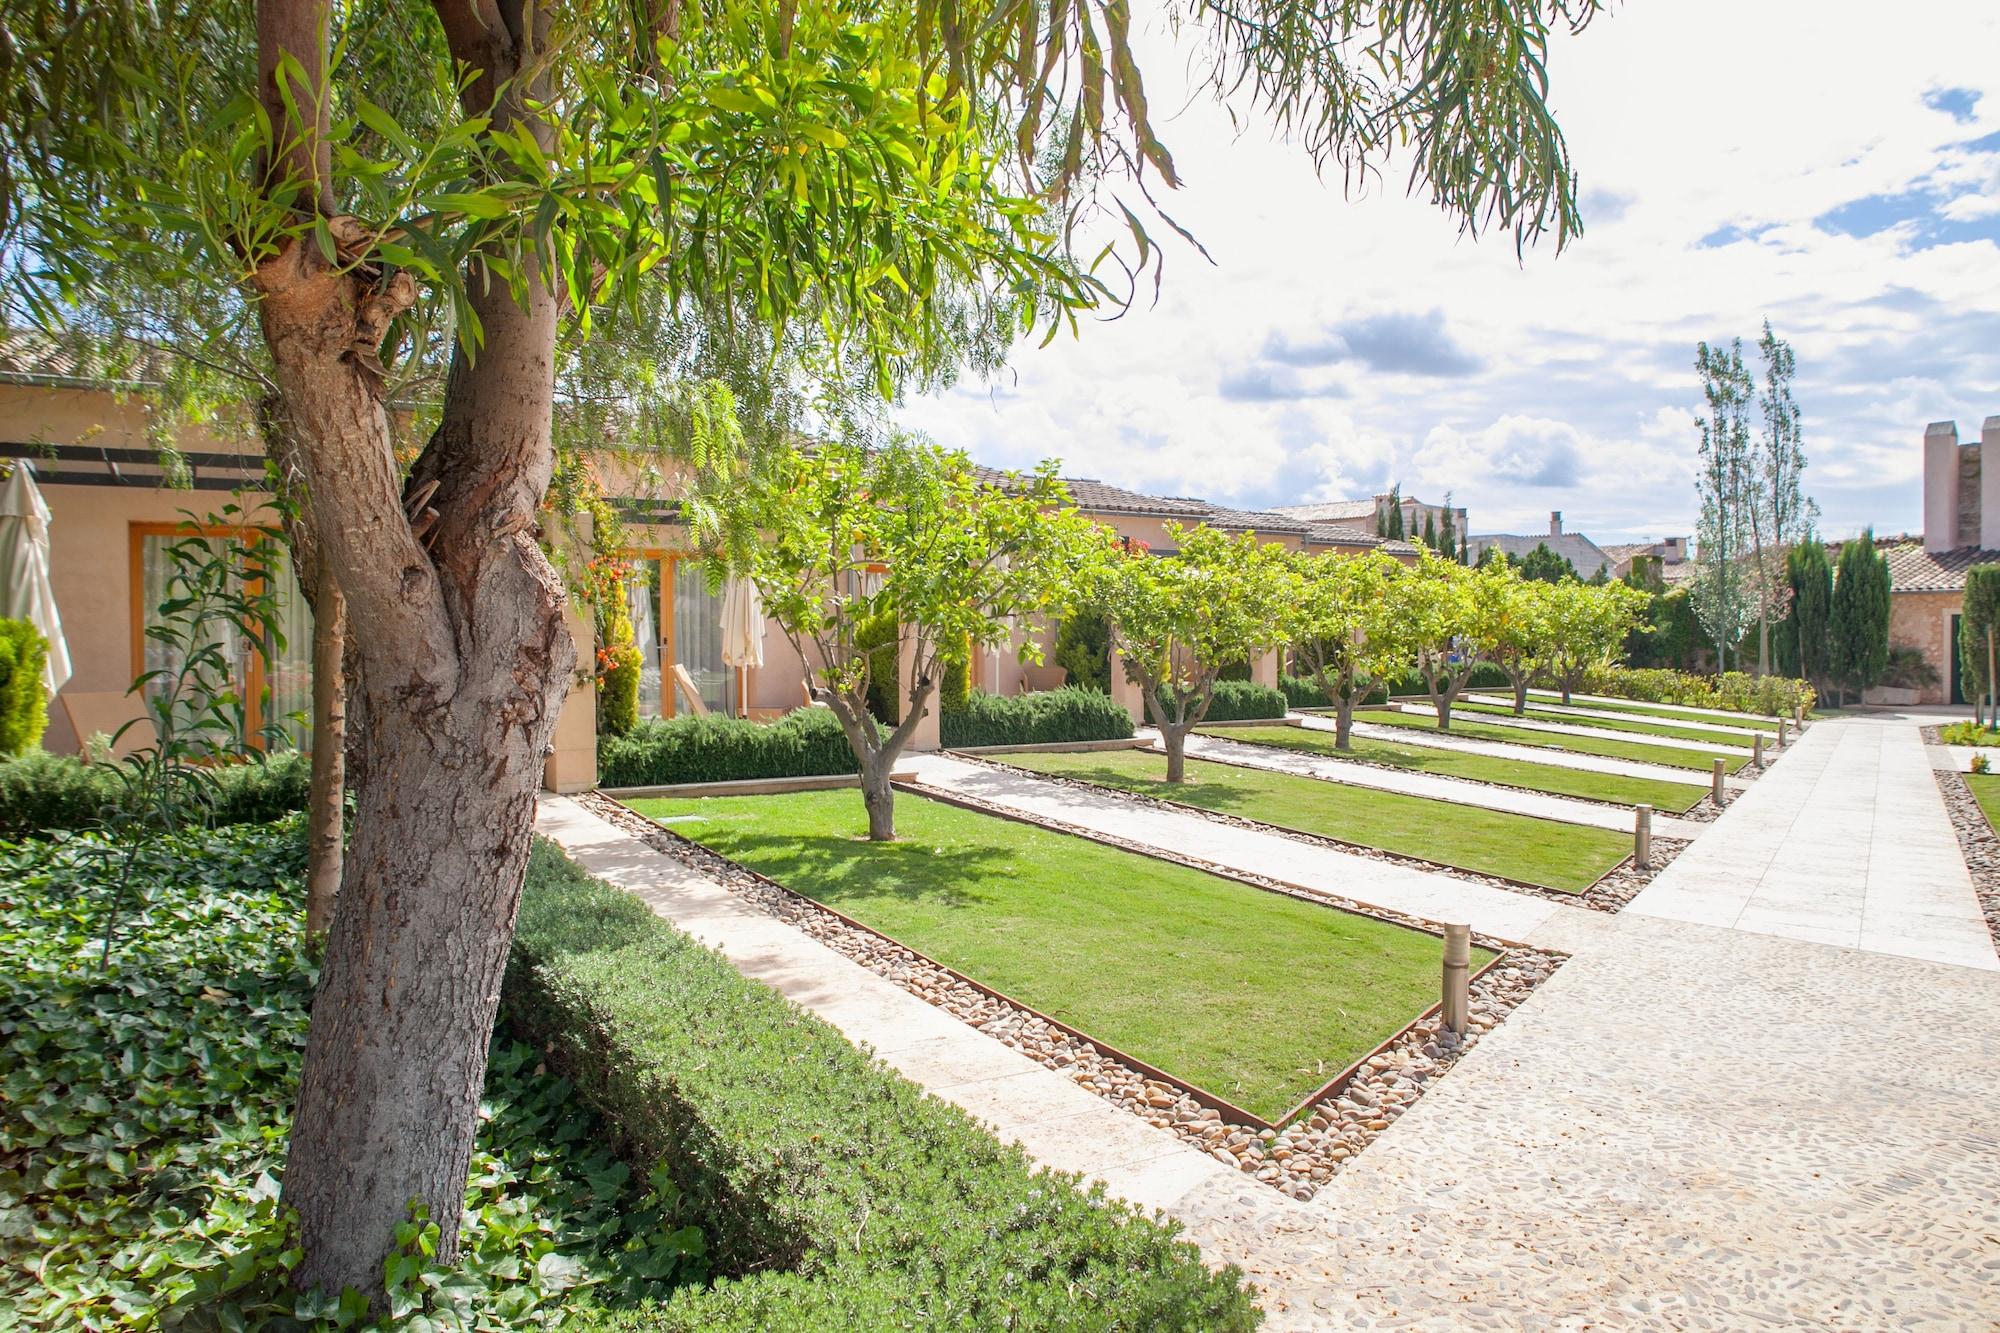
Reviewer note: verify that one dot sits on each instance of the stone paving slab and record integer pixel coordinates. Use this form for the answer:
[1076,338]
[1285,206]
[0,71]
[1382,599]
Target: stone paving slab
[1553,704]
[1513,800]
[1533,754]
[1847,842]
[1312,866]
[1060,1124]
[1728,750]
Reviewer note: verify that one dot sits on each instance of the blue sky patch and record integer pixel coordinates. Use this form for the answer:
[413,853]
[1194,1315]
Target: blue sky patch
[1954,102]
[1921,211]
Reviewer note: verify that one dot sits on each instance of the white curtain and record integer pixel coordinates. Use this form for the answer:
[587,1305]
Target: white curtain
[26,592]
[642,600]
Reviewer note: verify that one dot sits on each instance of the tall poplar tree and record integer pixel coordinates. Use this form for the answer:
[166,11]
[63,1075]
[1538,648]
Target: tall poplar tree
[1779,512]
[1720,591]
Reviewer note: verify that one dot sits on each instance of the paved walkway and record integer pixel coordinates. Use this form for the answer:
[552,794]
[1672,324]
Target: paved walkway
[1307,865]
[1580,728]
[1513,800]
[1533,754]
[1845,842]
[1722,731]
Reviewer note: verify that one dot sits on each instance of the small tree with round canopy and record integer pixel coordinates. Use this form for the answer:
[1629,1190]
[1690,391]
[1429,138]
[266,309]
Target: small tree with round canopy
[1346,628]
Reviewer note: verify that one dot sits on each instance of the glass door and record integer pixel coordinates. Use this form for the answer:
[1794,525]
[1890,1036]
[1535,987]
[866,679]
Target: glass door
[696,642]
[642,603]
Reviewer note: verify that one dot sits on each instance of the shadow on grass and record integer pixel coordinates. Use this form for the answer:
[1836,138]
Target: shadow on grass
[837,868]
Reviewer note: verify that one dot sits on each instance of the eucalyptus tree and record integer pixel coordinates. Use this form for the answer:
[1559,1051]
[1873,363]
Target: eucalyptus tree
[955,558]
[1178,620]
[526,164]
[1346,629]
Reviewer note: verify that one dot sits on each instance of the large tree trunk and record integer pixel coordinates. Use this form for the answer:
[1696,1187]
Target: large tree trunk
[463,658]
[879,798]
[1174,738]
[1521,695]
[1343,722]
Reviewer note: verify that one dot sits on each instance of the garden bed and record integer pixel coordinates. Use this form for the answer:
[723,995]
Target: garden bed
[1973,802]
[1296,1159]
[1602,747]
[1513,848]
[1616,789]
[1617,726]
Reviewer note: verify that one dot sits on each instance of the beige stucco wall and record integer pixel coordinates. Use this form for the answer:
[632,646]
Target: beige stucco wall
[1922,620]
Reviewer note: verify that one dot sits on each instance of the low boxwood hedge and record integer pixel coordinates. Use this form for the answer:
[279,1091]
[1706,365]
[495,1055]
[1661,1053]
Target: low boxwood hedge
[1044,718]
[805,743]
[835,1193]
[46,793]
[1238,700]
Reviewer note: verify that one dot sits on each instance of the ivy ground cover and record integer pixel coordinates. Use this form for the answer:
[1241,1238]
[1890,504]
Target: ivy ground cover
[1422,725]
[145,1097]
[1543,852]
[1671,797]
[1254,996]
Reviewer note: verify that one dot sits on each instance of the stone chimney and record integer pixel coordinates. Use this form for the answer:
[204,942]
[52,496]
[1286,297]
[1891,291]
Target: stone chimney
[1989,484]
[1941,485]
[1555,523]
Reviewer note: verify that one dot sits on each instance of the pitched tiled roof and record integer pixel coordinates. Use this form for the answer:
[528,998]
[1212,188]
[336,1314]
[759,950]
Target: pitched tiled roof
[1344,534]
[1913,569]
[1247,520]
[1579,550]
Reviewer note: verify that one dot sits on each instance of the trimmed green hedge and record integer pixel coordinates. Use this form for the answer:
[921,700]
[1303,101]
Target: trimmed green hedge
[840,1195]
[805,743]
[1733,691]
[1236,700]
[1045,718]
[44,793]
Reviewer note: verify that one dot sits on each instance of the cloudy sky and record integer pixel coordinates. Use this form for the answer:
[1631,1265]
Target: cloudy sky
[1832,166]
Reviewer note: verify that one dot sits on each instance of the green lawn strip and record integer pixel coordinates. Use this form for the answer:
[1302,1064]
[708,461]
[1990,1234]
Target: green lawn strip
[1254,996]
[1761,721]
[1986,790]
[1603,746]
[1666,797]
[1544,852]
[1634,728]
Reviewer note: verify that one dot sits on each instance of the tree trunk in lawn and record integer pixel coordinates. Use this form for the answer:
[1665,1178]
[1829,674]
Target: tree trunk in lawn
[879,797]
[1343,722]
[1175,740]
[1566,684]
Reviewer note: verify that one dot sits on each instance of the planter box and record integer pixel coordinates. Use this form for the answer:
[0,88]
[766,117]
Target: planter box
[1889,696]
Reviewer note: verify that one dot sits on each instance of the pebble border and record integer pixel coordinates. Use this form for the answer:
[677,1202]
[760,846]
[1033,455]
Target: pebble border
[1612,890]
[1295,1160]
[1976,840]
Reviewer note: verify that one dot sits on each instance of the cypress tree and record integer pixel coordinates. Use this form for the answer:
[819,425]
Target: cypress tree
[1802,640]
[1430,532]
[1978,629]
[1858,651]
[1395,529]
[1447,532]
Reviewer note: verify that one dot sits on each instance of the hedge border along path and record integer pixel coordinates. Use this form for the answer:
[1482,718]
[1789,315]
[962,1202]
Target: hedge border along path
[1681,799]
[1319,1144]
[846,1198]
[1521,849]
[1685,712]
[1177,966]
[1607,748]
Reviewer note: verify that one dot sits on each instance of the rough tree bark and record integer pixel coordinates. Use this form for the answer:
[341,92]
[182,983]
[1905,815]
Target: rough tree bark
[874,755]
[1520,680]
[464,660]
[326,798]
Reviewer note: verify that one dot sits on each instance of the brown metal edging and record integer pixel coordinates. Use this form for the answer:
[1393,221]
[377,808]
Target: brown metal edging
[1200,1094]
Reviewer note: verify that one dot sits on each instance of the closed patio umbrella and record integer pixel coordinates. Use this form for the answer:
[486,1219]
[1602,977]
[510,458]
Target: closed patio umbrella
[25,590]
[742,632]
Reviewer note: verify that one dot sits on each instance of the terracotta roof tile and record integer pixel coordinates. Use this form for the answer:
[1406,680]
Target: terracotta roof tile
[1913,569]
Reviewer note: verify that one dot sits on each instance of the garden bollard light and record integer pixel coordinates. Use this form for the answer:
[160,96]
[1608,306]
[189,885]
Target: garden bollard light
[1716,789]
[1781,733]
[1642,836]
[1457,977]
[1757,750]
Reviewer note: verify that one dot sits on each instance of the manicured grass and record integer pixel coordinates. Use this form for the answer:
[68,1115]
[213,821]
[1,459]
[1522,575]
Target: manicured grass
[1634,727]
[1986,790]
[1257,997]
[1569,857]
[1605,747]
[1667,797]
[1762,721]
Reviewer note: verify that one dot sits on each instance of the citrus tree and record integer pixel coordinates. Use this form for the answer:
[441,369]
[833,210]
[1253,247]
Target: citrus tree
[1347,629]
[839,536]
[1177,620]
[1522,629]
[868,168]
[1450,613]
[1587,628]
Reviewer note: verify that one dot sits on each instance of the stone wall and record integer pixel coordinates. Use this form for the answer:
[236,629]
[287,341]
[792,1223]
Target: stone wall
[1922,620]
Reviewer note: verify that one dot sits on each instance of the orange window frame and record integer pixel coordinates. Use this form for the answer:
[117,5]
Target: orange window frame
[257,685]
